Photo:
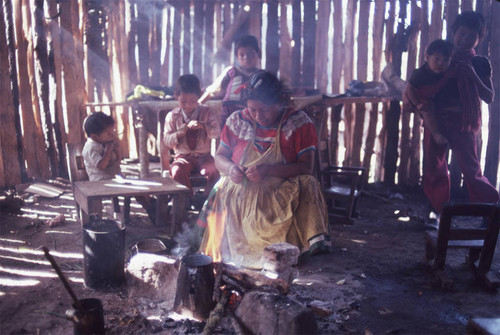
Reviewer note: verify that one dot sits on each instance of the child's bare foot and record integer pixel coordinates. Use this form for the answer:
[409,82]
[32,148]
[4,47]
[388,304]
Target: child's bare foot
[440,139]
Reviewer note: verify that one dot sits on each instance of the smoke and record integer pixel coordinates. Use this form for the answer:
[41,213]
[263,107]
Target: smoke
[188,240]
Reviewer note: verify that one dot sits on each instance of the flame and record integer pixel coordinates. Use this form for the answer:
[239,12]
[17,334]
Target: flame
[215,228]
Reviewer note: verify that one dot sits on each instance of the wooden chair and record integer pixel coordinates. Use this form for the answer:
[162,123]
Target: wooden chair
[77,172]
[341,185]
[480,242]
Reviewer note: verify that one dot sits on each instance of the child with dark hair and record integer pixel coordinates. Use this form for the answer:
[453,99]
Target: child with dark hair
[458,108]
[426,81]
[189,130]
[101,154]
[247,54]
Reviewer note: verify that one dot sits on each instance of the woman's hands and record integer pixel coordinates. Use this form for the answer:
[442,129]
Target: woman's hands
[257,173]
[237,173]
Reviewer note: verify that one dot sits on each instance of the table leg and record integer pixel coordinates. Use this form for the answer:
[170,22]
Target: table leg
[143,145]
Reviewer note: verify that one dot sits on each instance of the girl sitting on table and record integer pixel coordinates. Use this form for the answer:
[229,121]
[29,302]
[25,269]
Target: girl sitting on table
[267,193]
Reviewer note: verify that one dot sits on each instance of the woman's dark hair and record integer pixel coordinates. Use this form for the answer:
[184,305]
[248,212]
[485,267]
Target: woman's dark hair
[97,122]
[266,87]
[472,20]
[187,83]
[247,41]
[442,47]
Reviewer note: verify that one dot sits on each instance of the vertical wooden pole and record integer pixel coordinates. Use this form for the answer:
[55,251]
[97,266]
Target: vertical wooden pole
[254,22]
[132,44]
[466,5]
[492,149]
[198,39]
[391,155]
[10,145]
[338,47]
[186,43]
[56,89]
[362,70]
[406,140]
[165,67]
[297,42]
[227,57]
[156,42]
[285,47]
[30,148]
[377,37]
[143,9]
[352,8]
[42,81]
[176,42]
[451,13]
[308,61]
[72,64]
[209,41]
[324,8]
[272,38]
[436,26]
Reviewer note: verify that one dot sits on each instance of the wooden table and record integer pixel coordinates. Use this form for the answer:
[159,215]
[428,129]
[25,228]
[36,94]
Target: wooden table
[89,194]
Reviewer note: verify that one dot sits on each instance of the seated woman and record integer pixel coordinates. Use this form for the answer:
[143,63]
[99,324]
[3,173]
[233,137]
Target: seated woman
[267,193]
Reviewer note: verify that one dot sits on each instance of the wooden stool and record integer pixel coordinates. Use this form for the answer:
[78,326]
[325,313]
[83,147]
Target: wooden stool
[481,242]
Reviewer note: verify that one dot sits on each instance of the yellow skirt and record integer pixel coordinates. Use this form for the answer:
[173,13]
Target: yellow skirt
[259,214]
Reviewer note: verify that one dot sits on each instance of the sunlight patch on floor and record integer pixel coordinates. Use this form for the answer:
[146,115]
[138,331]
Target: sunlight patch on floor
[28,273]
[18,282]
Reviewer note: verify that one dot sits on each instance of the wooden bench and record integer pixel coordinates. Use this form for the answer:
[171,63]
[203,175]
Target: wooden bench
[480,242]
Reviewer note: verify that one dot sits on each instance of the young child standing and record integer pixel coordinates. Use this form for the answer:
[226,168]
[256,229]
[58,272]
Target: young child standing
[226,86]
[458,109]
[189,130]
[101,154]
[426,81]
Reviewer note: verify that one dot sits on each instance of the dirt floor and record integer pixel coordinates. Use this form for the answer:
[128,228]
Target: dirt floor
[374,282]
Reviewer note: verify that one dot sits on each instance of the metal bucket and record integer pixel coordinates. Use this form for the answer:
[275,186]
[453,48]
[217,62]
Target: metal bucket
[195,286]
[90,320]
[103,254]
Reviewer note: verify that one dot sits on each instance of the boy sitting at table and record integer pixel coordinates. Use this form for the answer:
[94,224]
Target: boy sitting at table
[189,130]
[101,154]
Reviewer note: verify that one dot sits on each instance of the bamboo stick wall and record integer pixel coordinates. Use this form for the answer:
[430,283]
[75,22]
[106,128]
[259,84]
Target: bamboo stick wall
[98,52]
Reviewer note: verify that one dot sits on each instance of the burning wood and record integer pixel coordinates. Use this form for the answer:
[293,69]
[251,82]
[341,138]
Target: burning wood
[246,279]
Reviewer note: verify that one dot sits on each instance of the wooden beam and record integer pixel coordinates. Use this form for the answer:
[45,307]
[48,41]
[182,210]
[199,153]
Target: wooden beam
[297,42]
[285,60]
[323,27]
[272,38]
[209,42]
[492,150]
[198,39]
[377,37]
[309,58]
[186,43]
[143,10]
[338,47]
[42,82]
[10,167]
[72,64]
